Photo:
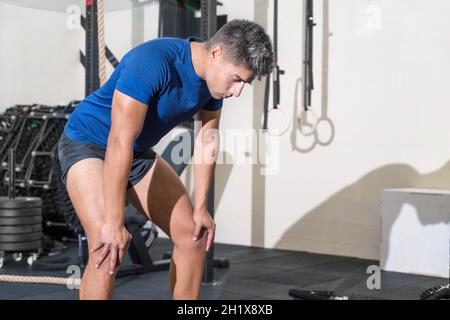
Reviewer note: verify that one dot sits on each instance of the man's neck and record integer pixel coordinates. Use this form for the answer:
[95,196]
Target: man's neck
[199,56]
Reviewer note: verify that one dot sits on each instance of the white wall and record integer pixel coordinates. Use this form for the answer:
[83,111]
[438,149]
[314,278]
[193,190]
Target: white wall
[38,57]
[39,54]
[388,100]
[385,90]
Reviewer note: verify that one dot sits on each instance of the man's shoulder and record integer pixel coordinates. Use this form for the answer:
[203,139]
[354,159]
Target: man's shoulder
[161,50]
[159,45]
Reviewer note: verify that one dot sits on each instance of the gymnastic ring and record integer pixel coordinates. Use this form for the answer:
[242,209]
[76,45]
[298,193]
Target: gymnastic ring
[304,114]
[287,122]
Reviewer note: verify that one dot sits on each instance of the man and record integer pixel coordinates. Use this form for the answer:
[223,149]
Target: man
[105,149]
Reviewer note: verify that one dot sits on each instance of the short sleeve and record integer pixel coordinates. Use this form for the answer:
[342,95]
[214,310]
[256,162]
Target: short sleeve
[213,105]
[141,77]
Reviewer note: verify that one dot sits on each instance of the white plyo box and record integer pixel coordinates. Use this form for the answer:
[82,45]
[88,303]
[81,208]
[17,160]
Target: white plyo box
[416,231]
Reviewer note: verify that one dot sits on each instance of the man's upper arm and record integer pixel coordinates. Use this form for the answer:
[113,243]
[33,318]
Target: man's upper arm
[141,79]
[127,117]
[210,119]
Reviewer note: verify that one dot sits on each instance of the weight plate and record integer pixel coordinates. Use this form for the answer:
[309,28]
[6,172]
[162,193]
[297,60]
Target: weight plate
[20,221]
[21,229]
[20,246]
[20,212]
[20,202]
[24,237]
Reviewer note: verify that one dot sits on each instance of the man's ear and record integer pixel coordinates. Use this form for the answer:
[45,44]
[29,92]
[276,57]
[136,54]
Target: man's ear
[216,52]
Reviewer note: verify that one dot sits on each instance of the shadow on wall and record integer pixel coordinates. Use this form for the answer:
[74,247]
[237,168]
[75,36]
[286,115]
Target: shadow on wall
[420,222]
[337,225]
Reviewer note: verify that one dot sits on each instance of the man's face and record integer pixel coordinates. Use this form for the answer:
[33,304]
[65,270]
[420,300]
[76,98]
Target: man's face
[223,78]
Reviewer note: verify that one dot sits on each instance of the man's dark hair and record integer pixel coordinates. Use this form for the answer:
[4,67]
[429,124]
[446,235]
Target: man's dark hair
[245,43]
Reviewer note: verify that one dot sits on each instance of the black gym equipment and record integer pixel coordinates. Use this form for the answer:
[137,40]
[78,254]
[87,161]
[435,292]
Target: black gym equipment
[18,229]
[33,132]
[23,211]
[308,83]
[20,221]
[312,294]
[337,291]
[177,18]
[436,293]
[19,246]
[109,55]
[276,72]
[209,25]
[298,294]
[20,218]
[91,58]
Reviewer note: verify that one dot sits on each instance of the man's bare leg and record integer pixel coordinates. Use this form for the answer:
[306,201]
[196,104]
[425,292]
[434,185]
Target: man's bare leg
[85,188]
[162,196]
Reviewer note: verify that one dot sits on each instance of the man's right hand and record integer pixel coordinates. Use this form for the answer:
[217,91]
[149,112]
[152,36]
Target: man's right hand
[114,240]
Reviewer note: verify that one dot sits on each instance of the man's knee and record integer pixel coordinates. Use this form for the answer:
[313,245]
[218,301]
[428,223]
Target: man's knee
[184,240]
[103,267]
[95,257]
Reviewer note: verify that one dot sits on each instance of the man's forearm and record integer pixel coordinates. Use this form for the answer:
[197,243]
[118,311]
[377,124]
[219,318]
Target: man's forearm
[116,171]
[205,154]
[202,179]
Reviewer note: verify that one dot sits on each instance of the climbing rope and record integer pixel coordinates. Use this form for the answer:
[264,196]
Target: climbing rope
[41,279]
[101,42]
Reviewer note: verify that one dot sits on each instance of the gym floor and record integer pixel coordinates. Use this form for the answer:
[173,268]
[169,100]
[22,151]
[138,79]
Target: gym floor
[254,273]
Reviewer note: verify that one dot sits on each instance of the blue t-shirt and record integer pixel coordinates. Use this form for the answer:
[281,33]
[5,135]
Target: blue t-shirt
[158,73]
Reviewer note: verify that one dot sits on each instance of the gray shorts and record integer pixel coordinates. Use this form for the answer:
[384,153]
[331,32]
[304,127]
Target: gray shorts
[70,152]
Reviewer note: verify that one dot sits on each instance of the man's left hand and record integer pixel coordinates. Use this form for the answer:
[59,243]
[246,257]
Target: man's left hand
[203,220]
